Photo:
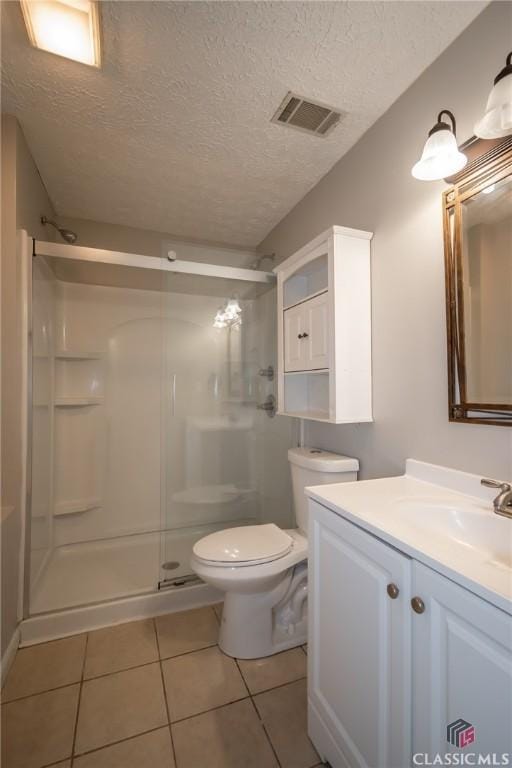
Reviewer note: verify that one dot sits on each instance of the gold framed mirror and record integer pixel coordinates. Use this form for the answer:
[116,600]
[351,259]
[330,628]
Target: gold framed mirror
[477,223]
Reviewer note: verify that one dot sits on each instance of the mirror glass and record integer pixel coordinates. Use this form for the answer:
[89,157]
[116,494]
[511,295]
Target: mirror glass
[486,253]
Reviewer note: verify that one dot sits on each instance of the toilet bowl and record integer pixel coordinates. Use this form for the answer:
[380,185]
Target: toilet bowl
[262,569]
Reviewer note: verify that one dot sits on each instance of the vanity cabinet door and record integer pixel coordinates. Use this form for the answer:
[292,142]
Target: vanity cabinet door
[359,646]
[462,669]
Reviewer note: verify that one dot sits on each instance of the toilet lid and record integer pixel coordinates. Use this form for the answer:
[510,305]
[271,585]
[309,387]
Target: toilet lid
[246,544]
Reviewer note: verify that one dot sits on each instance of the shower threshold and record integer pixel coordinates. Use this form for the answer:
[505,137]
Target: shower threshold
[73,621]
[179,581]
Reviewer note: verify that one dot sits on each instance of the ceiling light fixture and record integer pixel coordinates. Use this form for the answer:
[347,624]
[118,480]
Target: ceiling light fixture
[497,120]
[441,156]
[68,28]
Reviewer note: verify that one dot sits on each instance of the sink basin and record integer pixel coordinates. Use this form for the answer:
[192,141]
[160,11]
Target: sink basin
[471,525]
[438,516]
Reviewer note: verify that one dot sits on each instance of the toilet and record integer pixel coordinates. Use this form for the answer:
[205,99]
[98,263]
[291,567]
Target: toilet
[262,569]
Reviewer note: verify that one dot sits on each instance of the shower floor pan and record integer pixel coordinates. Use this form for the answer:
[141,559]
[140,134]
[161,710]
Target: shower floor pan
[110,569]
[97,584]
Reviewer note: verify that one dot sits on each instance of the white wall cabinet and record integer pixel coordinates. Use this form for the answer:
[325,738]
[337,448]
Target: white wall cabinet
[324,329]
[385,681]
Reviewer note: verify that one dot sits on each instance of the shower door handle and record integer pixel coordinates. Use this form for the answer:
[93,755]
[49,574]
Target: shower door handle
[173,394]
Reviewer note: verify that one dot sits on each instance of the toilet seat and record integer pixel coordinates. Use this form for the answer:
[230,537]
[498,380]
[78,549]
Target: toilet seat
[243,546]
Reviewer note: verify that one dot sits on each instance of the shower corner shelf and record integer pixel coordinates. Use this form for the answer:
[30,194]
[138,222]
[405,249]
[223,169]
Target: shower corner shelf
[77,402]
[74,507]
[67,354]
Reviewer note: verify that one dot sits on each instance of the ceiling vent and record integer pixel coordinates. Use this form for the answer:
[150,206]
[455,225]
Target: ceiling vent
[307,115]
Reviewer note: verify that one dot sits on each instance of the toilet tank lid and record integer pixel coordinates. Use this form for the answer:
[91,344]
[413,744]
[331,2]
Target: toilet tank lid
[322,461]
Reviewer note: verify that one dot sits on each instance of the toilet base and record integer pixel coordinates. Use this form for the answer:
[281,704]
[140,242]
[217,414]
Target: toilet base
[261,624]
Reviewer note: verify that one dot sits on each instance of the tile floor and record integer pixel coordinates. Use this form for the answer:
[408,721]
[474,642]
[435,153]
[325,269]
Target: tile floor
[154,694]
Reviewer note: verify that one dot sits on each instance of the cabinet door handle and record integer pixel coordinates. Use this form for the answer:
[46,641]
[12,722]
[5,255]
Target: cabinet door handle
[393,591]
[418,605]
[303,335]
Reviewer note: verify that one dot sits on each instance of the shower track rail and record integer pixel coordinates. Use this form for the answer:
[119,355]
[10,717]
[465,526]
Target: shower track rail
[119,258]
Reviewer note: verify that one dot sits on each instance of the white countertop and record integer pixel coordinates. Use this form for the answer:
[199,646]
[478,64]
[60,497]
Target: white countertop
[410,512]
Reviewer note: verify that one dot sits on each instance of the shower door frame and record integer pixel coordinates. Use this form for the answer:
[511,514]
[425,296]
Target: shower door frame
[28,248]
[120,258]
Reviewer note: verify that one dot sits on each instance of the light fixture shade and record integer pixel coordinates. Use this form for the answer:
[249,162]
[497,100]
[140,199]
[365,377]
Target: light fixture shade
[68,28]
[440,157]
[497,120]
[233,309]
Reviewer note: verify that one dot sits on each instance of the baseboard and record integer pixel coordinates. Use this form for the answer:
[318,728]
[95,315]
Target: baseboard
[10,653]
[323,741]
[51,626]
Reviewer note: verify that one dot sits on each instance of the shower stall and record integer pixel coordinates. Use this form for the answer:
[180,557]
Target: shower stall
[149,425]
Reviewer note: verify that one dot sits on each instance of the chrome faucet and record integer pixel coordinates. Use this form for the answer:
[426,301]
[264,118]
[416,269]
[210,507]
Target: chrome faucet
[503,501]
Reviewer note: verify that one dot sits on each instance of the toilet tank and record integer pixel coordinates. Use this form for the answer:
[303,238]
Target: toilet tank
[312,466]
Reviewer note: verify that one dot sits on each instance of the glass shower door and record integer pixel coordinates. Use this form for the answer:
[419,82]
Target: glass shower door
[224,460]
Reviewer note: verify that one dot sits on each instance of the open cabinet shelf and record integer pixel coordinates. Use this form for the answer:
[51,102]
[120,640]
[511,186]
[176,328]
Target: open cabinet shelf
[76,506]
[76,355]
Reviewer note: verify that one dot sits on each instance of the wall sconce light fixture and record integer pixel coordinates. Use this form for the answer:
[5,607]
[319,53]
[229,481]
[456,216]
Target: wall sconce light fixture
[441,156]
[497,120]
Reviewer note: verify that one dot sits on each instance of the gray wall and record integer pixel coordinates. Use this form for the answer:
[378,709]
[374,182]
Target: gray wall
[24,200]
[371,188]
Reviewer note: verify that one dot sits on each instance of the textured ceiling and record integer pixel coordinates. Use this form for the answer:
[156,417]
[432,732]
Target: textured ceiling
[174,133]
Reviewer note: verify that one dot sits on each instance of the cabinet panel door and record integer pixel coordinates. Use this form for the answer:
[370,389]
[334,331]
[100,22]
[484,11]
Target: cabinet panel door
[317,326]
[294,347]
[359,646]
[462,669]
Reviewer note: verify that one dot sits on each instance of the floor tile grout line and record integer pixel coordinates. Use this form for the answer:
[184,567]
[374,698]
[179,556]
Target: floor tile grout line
[212,709]
[124,669]
[41,693]
[108,674]
[147,664]
[79,701]
[85,679]
[187,653]
[115,743]
[242,676]
[276,687]
[160,661]
[265,731]
[165,693]
[138,666]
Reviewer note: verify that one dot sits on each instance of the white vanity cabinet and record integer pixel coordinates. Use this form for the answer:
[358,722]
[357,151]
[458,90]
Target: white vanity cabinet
[324,329]
[359,646]
[397,652]
[462,667]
